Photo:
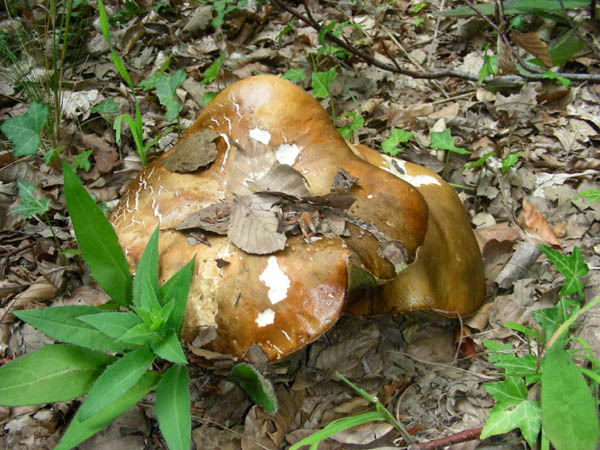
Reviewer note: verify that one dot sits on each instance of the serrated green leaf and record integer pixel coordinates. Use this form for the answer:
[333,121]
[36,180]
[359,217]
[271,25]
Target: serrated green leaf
[442,140]
[173,407]
[97,240]
[177,289]
[30,205]
[115,381]
[526,416]
[113,324]
[63,324]
[79,430]
[569,411]
[54,373]
[24,131]
[256,386]
[321,82]
[169,348]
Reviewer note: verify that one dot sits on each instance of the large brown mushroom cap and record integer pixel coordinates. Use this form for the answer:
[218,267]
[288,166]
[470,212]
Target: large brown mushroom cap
[280,300]
[447,275]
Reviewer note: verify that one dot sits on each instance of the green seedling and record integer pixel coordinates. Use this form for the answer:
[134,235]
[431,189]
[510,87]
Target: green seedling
[224,7]
[489,67]
[391,145]
[591,195]
[566,414]
[441,140]
[358,121]
[142,322]
[510,161]
[380,413]
[24,131]
[210,75]
[134,123]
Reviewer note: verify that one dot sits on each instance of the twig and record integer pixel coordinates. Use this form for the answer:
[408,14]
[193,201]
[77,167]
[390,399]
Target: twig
[447,73]
[463,436]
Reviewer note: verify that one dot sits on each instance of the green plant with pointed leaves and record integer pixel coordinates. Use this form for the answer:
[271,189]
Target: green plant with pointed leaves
[566,412]
[108,354]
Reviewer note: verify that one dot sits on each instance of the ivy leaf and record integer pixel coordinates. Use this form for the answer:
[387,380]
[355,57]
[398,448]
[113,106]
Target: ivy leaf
[397,137]
[294,75]
[82,161]
[321,82]
[442,140]
[108,106]
[24,131]
[526,416]
[572,267]
[30,205]
[166,86]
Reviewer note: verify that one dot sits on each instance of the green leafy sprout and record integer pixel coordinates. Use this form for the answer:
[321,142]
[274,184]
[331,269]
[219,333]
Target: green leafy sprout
[566,413]
[391,145]
[24,131]
[144,324]
[442,140]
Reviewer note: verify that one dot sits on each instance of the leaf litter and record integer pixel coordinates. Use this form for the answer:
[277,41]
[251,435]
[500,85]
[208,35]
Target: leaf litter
[555,128]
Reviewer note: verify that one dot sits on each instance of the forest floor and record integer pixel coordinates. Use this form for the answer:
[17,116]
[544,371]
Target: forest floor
[544,133]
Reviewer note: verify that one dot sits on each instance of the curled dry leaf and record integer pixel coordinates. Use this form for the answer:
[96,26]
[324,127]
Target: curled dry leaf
[197,151]
[213,218]
[532,220]
[282,179]
[532,43]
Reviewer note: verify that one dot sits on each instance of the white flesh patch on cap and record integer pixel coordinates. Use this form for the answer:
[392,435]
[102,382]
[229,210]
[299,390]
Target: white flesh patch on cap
[259,135]
[398,168]
[287,153]
[267,317]
[276,280]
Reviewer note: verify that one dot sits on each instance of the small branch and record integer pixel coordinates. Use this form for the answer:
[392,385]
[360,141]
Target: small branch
[447,73]
[463,436]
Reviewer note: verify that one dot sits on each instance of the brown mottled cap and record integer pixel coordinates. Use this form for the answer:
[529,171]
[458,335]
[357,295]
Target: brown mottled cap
[295,291]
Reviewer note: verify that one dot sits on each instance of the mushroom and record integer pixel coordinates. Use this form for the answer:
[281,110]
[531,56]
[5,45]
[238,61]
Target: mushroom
[286,222]
[447,275]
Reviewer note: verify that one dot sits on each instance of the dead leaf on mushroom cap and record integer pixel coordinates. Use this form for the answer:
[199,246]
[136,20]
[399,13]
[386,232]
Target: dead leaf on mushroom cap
[282,179]
[214,218]
[254,224]
[196,151]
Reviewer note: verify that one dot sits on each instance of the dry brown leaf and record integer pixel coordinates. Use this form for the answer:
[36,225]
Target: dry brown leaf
[254,224]
[283,179]
[532,220]
[506,63]
[196,151]
[213,218]
[531,43]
